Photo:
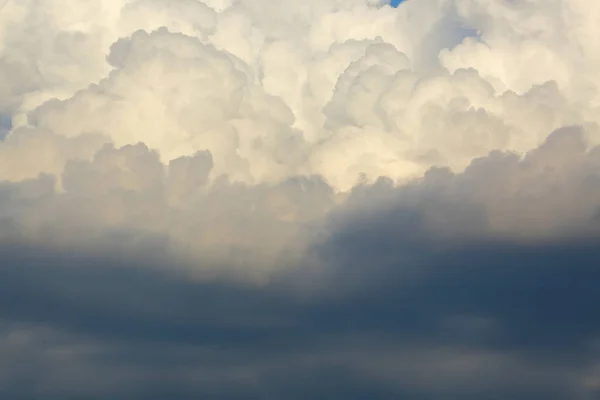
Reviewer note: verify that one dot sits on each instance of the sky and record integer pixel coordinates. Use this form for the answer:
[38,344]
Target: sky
[273,199]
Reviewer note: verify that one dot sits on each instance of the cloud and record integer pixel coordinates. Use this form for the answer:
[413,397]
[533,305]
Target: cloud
[251,194]
[525,327]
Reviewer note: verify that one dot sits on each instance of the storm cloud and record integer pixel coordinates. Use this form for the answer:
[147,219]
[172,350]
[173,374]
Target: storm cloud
[320,199]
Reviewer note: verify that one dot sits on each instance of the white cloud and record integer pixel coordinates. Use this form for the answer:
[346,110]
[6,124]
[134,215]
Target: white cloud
[230,129]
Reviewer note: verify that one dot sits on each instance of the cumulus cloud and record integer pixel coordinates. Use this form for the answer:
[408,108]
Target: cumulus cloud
[342,92]
[322,146]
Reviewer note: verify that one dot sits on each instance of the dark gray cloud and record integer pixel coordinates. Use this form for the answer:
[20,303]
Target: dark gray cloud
[469,321]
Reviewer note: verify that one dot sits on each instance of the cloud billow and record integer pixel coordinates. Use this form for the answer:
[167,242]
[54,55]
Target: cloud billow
[251,199]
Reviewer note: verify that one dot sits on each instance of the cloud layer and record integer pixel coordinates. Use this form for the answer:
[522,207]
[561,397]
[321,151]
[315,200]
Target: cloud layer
[200,100]
[299,164]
